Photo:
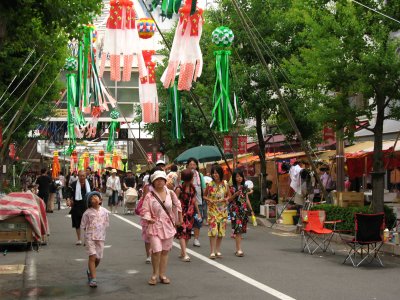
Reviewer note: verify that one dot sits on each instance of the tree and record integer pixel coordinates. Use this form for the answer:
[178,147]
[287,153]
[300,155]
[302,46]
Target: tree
[349,50]
[43,27]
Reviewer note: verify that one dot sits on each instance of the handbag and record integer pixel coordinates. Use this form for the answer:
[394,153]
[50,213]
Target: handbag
[109,192]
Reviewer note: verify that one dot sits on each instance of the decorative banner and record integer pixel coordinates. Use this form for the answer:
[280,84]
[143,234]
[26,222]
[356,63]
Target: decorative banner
[329,134]
[228,144]
[74,161]
[112,130]
[185,53]
[1,136]
[56,166]
[159,155]
[149,156]
[223,114]
[121,37]
[148,90]
[242,144]
[175,105]
[168,7]
[12,151]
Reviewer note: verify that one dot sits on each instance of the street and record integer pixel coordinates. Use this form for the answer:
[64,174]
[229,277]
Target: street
[273,268]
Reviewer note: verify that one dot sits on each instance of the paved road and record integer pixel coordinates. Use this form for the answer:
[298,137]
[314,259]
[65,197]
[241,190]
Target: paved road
[273,268]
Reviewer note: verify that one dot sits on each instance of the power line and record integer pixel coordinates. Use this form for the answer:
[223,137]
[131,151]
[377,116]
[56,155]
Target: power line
[376,11]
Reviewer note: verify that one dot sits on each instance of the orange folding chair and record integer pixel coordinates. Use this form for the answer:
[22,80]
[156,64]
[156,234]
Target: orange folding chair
[314,235]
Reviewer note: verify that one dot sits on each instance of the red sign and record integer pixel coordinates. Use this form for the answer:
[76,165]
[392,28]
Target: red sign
[159,155]
[149,156]
[227,144]
[329,134]
[242,144]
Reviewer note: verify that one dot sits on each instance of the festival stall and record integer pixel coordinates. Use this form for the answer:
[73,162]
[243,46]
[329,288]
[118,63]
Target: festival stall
[23,219]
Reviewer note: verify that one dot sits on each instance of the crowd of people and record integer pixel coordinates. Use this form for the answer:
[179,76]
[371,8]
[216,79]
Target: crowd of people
[171,206]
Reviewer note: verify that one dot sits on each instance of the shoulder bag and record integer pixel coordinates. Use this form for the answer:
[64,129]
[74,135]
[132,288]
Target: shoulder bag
[163,206]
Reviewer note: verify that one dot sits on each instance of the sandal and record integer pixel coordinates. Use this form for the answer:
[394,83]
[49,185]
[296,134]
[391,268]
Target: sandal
[88,276]
[165,280]
[239,253]
[212,256]
[152,280]
[93,283]
[219,255]
[186,258]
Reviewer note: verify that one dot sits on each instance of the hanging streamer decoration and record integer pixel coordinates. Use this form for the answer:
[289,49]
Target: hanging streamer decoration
[121,36]
[70,67]
[148,90]
[175,105]
[56,165]
[112,130]
[185,52]
[168,7]
[223,114]
[74,161]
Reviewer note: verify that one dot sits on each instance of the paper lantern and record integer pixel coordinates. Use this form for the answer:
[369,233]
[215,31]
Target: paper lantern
[223,36]
[146,28]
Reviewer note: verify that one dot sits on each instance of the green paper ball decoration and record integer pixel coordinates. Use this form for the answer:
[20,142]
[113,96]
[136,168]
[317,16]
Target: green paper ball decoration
[114,114]
[223,36]
[71,64]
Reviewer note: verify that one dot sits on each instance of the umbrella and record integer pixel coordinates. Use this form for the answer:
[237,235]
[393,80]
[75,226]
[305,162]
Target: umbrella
[201,153]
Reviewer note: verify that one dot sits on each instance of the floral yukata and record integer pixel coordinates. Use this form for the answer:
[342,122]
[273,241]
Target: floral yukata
[94,223]
[238,211]
[217,211]
[188,200]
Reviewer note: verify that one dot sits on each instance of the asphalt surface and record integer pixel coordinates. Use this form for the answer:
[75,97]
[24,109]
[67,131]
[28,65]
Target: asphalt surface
[273,268]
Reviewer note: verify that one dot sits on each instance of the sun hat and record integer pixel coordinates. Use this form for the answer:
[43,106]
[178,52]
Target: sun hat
[90,195]
[113,171]
[158,174]
[160,162]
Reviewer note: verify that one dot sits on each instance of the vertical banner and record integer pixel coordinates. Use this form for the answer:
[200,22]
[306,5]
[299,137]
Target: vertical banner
[1,136]
[228,144]
[159,155]
[242,144]
[329,134]
[149,156]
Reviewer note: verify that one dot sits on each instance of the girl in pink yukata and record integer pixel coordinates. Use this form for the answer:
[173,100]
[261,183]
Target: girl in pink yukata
[94,223]
[159,214]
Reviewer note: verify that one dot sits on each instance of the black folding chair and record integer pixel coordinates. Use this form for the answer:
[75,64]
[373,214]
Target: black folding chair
[367,239]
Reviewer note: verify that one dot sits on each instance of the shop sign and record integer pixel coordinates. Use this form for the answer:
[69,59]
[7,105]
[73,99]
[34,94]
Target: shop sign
[149,156]
[227,144]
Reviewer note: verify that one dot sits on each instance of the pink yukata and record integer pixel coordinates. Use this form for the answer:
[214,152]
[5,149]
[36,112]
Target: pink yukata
[162,232]
[95,222]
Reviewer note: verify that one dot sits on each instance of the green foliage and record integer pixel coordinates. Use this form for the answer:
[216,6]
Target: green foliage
[346,214]
[45,27]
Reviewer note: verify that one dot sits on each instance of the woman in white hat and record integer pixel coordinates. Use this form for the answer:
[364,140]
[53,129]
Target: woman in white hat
[158,210]
[114,184]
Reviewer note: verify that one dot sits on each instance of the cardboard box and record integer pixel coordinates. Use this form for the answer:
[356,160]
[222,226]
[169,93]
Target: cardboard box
[15,230]
[347,199]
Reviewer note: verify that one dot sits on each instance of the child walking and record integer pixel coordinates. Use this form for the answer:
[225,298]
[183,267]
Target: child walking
[94,223]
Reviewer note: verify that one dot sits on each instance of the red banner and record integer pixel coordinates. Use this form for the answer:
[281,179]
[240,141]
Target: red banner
[242,144]
[159,155]
[149,156]
[329,134]
[227,144]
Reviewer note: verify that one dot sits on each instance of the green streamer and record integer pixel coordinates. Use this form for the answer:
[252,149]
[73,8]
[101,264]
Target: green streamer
[80,78]
[175,105]
[222,113]
[112,130]
[87,37]
[168,7]
[71,96]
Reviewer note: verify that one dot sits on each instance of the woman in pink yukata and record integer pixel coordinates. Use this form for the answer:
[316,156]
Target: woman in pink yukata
[159,214]
[94,223]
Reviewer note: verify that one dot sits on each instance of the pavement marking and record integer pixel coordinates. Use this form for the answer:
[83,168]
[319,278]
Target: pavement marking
[12,269]
[284,233]
[224,268]
[107,246]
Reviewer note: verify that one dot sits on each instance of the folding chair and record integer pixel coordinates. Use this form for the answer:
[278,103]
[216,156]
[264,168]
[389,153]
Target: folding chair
[314,232]
[367,239]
